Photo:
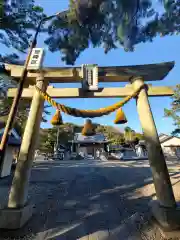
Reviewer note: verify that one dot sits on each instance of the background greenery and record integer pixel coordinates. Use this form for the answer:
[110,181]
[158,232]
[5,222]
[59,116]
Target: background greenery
[48,137]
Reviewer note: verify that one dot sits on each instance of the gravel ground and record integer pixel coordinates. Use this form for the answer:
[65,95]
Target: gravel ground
[90,200]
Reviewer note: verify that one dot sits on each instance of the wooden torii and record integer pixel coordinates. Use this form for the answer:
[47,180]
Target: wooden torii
[165,209]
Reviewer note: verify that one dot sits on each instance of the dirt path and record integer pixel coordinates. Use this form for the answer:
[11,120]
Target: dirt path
[90,200]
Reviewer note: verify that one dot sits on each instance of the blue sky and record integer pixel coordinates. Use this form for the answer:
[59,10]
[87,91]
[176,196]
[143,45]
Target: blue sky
[161,50]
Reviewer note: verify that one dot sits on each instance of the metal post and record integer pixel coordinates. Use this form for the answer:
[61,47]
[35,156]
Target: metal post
[73,139]
[57,140]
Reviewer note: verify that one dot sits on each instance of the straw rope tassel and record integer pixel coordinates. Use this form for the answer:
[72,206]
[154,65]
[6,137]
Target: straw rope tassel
[88,129]
[87,113]
[120,117]
[57,119]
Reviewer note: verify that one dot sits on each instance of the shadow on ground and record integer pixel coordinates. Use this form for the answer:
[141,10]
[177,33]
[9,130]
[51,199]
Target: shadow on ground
[75,201]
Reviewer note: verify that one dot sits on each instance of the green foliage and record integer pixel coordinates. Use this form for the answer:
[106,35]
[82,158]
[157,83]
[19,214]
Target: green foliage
[1,10]
[107,23]
[131,137]
[118,138]
[21,116]
[174,112]
[112,134]
[47,140]
[16,17]
[48,137]
[22,113]
[111,24]
[139,136]
[129,134]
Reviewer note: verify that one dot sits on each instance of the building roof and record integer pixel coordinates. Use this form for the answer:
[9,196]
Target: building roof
[12,141]
[16,126]
[142,142]
[14,138]
[162,134]
[164,137]
[89,143]
[98,138]
[173,145]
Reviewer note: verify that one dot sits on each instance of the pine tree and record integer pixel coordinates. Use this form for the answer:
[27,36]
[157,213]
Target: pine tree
[174,112]
[111,24]
[22,113]
[16,18]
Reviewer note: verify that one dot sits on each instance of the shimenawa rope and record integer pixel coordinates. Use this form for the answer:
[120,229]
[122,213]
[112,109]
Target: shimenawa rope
[87,113]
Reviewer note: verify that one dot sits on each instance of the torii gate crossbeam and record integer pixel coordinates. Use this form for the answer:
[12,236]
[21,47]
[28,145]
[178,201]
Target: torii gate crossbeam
[101,93]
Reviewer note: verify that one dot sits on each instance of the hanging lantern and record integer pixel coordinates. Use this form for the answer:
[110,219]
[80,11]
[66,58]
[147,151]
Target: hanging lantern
[57,119]
[88,129]
[120,117]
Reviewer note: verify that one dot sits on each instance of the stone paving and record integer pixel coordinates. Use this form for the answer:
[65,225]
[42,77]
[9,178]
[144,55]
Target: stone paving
[90,200]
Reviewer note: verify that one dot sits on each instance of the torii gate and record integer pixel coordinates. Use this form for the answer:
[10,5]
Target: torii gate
[165,209]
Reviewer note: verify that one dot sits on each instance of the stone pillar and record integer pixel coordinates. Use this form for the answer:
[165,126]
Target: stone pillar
[18,210]
[156,158]
[157,162]
[19,189]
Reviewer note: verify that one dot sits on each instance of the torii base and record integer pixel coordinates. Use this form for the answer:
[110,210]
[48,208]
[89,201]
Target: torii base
[167,219]
[169,235]
[15,218]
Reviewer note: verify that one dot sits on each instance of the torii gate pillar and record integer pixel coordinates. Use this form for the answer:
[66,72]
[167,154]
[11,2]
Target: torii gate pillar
[18,211]
[164,209]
